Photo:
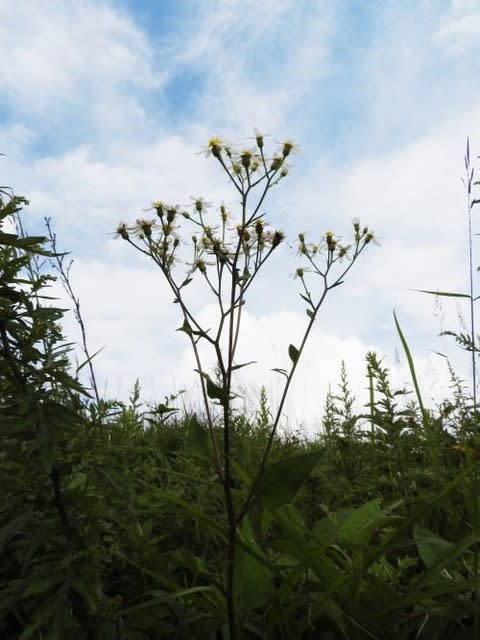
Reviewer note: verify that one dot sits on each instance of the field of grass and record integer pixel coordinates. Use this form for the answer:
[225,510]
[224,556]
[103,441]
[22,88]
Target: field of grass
[120,521]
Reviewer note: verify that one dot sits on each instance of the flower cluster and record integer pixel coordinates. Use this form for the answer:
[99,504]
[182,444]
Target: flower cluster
[250,164]
[237,247]
[332,248]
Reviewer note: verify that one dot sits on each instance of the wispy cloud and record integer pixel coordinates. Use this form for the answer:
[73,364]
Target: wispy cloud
[103,109]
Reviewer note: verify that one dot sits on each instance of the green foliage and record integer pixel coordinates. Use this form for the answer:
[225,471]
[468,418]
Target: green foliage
[114,522]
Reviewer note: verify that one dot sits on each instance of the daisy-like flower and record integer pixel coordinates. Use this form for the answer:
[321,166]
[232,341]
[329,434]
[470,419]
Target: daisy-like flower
[259,137]
[342,250]
[276,162]
[214,147]
[288,147]
[273,237]
[121,231]
[246,158]
[199,204]
[224,214]
[144,227]
[159,207]
[200,265]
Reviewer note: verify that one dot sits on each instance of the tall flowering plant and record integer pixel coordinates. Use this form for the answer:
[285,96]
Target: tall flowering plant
[227,255]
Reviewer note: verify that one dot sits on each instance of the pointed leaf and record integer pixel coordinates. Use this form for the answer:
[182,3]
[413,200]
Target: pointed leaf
[214,391]
[245,364]
[445,294]
[186,328]
[88,360]
[412,370]
[254,583]
[281,480]
[293,353]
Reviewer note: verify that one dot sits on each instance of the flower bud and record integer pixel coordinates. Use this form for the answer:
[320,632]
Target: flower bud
[287,147]
[276,163]
[259,227]
[122,231]
[277,238]
[158,206]
[299,272]
[246,158]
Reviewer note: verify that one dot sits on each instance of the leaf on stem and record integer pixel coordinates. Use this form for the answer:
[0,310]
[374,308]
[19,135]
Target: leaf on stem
[244,364]
[294,353]
[411,366]
[446,294]
[215,391]
[281,480]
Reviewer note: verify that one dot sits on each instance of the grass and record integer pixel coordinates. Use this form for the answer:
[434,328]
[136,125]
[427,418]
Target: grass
[118,521]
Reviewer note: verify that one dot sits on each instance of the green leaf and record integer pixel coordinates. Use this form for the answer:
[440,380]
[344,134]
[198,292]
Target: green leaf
[431,547]
[308,554]
[281,480]
[440,555]
[245,364]
[412,370]
[281,371]
[198,440]
[12,528]
[253,584]
[185,328]
[215,392]
[294,353]
[88,360]
[185,282]
[445,294]
[359,526]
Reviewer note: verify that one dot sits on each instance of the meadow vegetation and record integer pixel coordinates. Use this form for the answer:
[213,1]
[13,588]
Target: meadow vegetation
[126,521]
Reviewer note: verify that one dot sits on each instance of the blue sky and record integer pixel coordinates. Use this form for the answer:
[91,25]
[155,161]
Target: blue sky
[104,106]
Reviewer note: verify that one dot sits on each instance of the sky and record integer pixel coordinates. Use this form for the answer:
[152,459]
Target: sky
[105,105]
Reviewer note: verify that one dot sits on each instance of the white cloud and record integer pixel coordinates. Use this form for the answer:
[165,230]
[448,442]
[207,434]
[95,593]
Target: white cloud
[460,29]
[397,166]
[55,52]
